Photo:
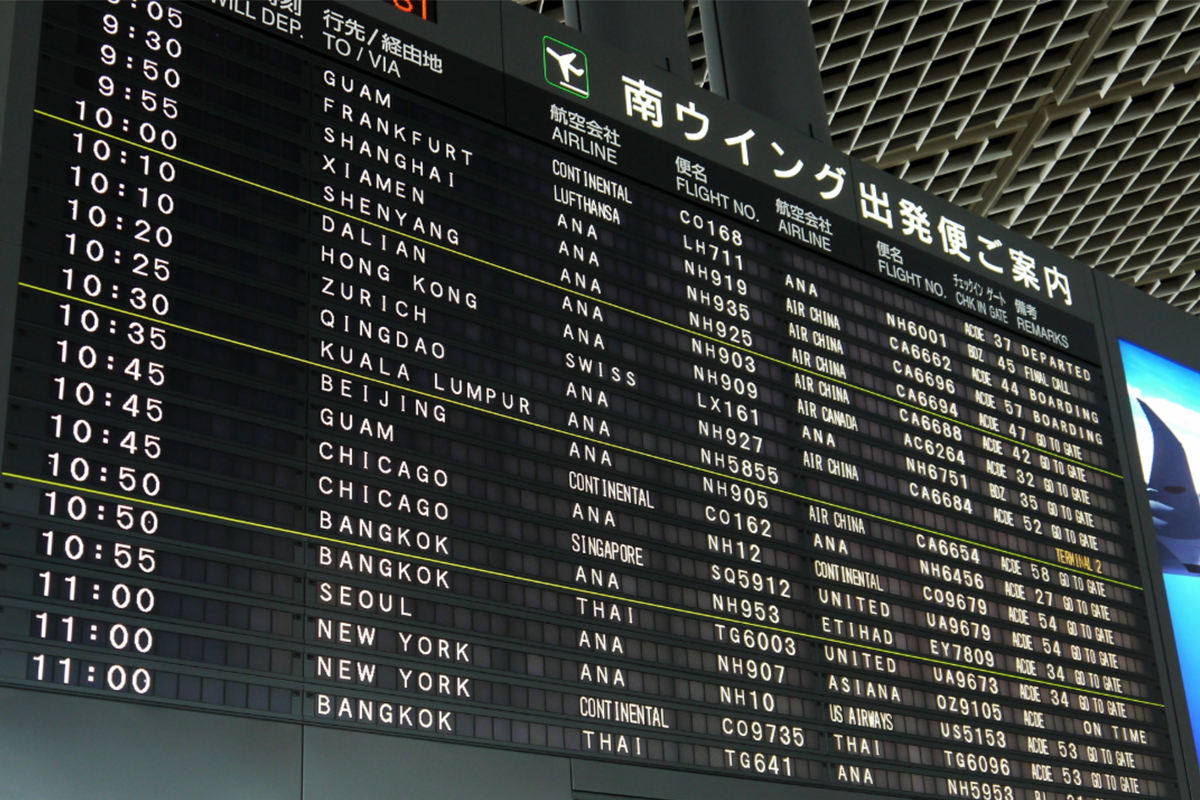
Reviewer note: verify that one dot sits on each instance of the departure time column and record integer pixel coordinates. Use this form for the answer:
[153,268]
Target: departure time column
[97,370]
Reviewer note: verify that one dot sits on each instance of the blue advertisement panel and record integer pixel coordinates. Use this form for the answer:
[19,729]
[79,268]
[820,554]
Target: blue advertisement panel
[1166,409]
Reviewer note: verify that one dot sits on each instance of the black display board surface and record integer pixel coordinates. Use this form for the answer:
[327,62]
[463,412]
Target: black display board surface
[461,382]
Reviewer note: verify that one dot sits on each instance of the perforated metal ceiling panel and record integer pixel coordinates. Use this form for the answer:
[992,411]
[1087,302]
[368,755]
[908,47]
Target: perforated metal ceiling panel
[1074,123]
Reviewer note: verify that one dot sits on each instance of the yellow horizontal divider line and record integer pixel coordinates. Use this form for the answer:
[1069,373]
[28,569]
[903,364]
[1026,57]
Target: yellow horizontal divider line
[567,289]
[572,589]
[568,434]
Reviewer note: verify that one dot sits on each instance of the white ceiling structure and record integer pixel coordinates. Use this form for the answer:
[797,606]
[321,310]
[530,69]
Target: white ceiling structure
[1073,122]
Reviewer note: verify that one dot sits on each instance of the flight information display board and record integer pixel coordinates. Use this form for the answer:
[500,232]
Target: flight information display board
[359,384]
